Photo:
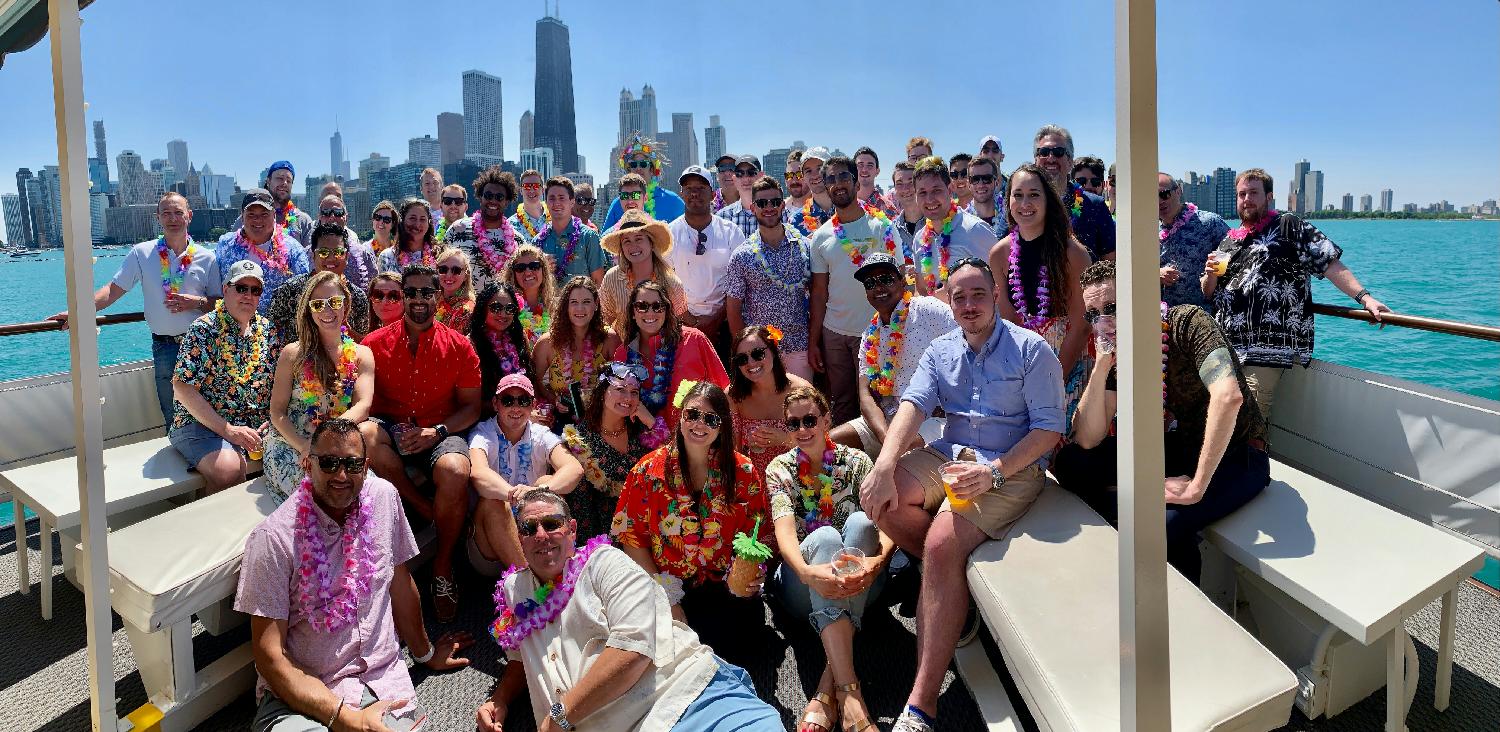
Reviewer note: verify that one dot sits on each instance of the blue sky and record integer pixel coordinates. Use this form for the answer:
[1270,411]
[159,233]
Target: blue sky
[1376,94]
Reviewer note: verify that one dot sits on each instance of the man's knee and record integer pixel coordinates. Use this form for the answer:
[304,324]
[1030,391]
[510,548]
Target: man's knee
[451,472]
[222,467]
[950,540]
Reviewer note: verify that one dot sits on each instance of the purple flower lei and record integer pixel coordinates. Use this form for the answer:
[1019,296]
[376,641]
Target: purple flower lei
[324,610]
[1018,291]
[512,625]
[510,360]
[1188,211]
[575,226]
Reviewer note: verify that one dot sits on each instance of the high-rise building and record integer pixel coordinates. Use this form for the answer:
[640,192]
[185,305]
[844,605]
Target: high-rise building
[131,223]
[450,126]
[556,127]
[98,204]
[15,222]
[1223,187]
[165,173]
[528,130]
[682,146]
[580,178]
[100,149]
[582,165]
[217,190]
[177,155]
[1312,191]
[336,163]
[41,216]
[135,181]
[1347,203]
[1296,201]
[1198,190]
[396,182]
[24,235]
[49,180]
[774,164]
[713,140]
[1366,202]
[1387,200]
[638,115]
[425,151]
[540,159]
[484,128]
[370,165]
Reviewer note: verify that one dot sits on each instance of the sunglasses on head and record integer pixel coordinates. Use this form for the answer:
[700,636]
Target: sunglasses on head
[755,354]
[450,269]
[383,218]
[584,201]
[419,292]
[618,370]
[513,400]
[881,280]
[631,195]
[383,295]
[702,244]
[454,201]
[493,196]
[769,202]
[531,186]
[834,178]
[1052,152]
[1093,315]
[806,422]
[326,252]
[655,306]
[709,419]
[1088,180]
[982,178]
[549,524]
[1164,195]
[330,464]
[332,212]
[496,306]
[249,290]
[336,302]
[640,164]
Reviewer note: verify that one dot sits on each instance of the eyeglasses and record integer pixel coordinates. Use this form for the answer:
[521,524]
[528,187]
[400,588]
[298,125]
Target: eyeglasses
[1093,315]
[249,290]
[639,164]
[807,422]
[336,302]
[631,195]
[832,178]
[881,280]
[619,370]
[655,306]
[527,266]
[326,252]
[1052,152]
[424,293]
[769,202]
[584,201]
[384,219]
[726,168]
[794,175]
[516,400]
[756,354]
[454,201]
[1088,180]
[549,524]
[1164,195]
[331,464]
[332,212]
[745,172]
[383,295]
[702,243]
[709,419]
[493,196]
[982,178]
[496,306]
[531,186]
[450,269]
[961,174]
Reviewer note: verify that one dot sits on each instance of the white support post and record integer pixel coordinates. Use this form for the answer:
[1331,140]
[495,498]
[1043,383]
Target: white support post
[63,25]
[1445,651]
[1145,693]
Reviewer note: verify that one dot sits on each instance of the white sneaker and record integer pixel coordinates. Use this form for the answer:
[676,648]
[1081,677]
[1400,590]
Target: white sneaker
[909,722]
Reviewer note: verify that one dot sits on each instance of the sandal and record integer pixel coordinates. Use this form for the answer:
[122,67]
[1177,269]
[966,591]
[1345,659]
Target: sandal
[859,725]
[815,717]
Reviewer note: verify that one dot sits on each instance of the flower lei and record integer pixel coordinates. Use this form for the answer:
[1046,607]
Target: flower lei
[1075,208]
[512,625]
[1239,233]
[325,611]
[275,260]
[929,234]
[718,201]
[1166,332]
[446,311]
[526,219]
[650,202]
[289,214]
[442,229]
[1188,211]
[817,492]
[522,472]
[239,370]
[311,396]
[496,259]
[423,255]
[510,358]
[882,373]
[565,367]
[575,226]
[792,237]
[661,376]
[534,322]
[705,506]
[809,221]
[171,279]
[1018,291]
[856,254]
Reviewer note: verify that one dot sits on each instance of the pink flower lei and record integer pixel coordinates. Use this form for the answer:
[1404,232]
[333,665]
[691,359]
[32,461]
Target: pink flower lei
[276,259]
[510,358]
[493,256]
[1188,212]
[512,625]
[1018,290]
[1239,233]
[324,610]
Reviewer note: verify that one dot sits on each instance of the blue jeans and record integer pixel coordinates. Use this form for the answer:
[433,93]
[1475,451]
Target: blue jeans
[728,704]
[163,360]
[820,547]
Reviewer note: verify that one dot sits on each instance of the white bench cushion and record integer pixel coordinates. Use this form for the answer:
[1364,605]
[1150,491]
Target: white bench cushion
[164,569]
[1050,595]
[134,475]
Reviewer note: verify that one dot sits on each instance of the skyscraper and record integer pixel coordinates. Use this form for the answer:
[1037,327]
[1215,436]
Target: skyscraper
[1295,202]
[135,183]
[49,179]
[1347,203]
[1312,191]
[98,204]
[484,129]
[15,224]
[336,154]
[177,155]
[1223,182]
[99,148]
[1387,199]
[774,163]
[41,217]
[555,124]
[713,140]
[450,137]
[424,151]
[24,236]
[1366,202]
[638,115]
[682,147]
[541,160]
[528,130]
[369,166]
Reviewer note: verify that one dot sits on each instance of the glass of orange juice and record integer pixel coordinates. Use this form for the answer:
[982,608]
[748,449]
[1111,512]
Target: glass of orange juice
[1220,261]
[949,473]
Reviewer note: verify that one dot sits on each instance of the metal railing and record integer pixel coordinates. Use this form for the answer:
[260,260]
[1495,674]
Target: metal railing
[43,326]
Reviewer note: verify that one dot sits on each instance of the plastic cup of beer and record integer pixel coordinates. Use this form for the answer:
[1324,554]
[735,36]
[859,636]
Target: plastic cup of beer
[849,561]
[1220,261]
[950,473]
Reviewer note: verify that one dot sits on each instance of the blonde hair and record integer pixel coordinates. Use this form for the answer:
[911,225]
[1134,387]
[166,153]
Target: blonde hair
[548,287]
[466,290]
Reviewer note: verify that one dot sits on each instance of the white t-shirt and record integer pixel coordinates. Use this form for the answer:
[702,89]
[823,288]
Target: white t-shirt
[848,311]
[702,275]
[971,238]
[926,319]
[143,265]
[504,457]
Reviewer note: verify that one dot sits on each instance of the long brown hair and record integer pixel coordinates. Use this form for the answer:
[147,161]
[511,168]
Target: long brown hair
[311,346]
[562,326]
[740,385]
[723,447]
[428,240]
[1057,233]
[671,329]
[593,410]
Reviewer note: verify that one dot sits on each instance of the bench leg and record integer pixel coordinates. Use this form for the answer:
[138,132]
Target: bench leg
[1395,682]
[45,578]
[23,555]
[165,660]
[1445,650]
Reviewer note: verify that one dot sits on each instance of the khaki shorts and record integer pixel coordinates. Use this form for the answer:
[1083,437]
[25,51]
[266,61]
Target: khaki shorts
[1262,381]
[993,512]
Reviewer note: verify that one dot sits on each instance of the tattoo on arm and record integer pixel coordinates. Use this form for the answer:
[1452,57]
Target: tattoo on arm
[1218,365]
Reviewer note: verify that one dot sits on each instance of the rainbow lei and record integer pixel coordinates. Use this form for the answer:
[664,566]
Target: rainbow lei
[526,219]
[1075,208]
[817,492]
[512,625]
[325,611]
[857,254]
[661,376]
[882,373]
[1018,291]
[929,233]
[575,226]
[496,259]
[1188,211]
[171,279]
[311,394]
[1239,233]
[239,370]
[534,321]
[510,357]
[442,229]
[289,214]
[275,260]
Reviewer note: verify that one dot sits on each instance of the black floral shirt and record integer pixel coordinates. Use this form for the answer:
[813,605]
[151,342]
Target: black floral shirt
[1264,300]
[283,310]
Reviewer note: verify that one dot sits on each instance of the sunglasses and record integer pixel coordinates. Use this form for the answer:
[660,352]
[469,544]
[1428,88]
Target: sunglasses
[959,174]
[640,164]
[709,419]
[631,195]
[336,302]
[450,269]
[1086,180]
[332,212]
[383,295]
[756,354]
[325,252]
[1093,315]
[655,306]
[619,370]
[531,186]
[745,172]
[424,293]
[1164,195]
[702,243]
[881,280]
[982,178]
[330,464]
[1052,152]
[384,219]
[794,175]
[496,306]
[454,201]
[512,400]
[806,422]
[527,266]
[249,290]
[769,202]
[549,524]
[493,196]
[726,168]
[843,177]
[585,201]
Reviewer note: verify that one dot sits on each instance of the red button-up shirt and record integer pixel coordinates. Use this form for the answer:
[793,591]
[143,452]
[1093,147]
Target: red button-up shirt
[423,386]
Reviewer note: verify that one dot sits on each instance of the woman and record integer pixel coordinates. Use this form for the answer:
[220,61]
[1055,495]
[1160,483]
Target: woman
[527,272]
[386,306]
[671,352]
[497,337]
[641,244]
[757,387]
[680,510]
[415,243]
[614,432]
[456,301]
[814,495]
[1042,261]
[383,223]
[574,350]
[322,374]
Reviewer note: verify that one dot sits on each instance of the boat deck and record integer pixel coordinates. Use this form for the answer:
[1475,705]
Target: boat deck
[43,686]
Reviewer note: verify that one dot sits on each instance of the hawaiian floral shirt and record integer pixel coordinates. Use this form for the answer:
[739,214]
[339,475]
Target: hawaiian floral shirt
[771,284]
[483,274]
[231,249]
[1187,249]
[1264,300]
[210,357]
[663,515]
[794,217]
[850,466]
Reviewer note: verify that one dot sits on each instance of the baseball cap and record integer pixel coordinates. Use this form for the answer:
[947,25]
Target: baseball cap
[821,153]
[748,159]
[515,381]
[991,138]
[243,269]
[696,170]
[875,261]
[258,196]
[281,165]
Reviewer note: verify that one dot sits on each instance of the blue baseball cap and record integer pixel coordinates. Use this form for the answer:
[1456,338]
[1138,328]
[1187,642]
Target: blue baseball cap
[281,165]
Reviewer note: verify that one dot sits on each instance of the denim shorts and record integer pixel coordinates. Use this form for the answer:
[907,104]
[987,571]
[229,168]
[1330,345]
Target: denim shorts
[195,442]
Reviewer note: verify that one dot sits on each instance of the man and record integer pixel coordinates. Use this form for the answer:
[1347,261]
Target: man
[984,180]
[260,240]
[1092,222]
[1188,235]
[278,184]
[1109,187]
[426,396]
[838,312]
[742,211]
[642,156]
[455,206]
[632,196]
[904,190]
[867,164]
[958,176]
[175,294]
[360,257]
[488,255]
[1088,174]
[613,659]
[584,202]
[766,283]
[531,214]
[1002,391]
[724,168]
[815,208]
[990,149]
[331,188]
[797,189]
[701,246]
[901,329]
[572,246]
[336,665]
[950,233]
[917,148]
[1265,305]
[222,382]
[1215,441]
[329,255]
[431,183]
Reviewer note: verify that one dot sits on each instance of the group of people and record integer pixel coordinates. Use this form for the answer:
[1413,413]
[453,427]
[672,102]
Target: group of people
[609,422]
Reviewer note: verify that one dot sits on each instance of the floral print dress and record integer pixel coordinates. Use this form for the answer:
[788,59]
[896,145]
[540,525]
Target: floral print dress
[605,469]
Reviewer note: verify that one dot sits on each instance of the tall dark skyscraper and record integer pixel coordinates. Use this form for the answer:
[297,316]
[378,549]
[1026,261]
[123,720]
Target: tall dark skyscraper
[555,126]
[26,238]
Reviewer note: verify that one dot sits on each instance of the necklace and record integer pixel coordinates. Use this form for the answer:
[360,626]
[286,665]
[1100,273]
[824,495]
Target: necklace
[325,611]
[274,260]
[817,491]
[442,230]
[510,359]
[239,369]
[810,220]
[495,258]
[423,255]
[289,214]
[857,254]
[882,373]
[575,226]
[312,389]
[521,472]
[1241,232]
[526,220]
[1166,332]
[718,202]
[171,278]
[1188,211]
[704,506]
[1018,291]
[650,203]
[535,320]
[929,233]
[790,236]
[513,625]
[1075,208]
[570,369]
[661,376]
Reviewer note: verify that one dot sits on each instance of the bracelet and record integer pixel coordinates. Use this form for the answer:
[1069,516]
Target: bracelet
[335,714]
[1360,296]
[431,650]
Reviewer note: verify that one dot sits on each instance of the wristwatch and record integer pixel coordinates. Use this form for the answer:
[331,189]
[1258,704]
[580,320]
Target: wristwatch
[442,432]
[559,717]
[997,478]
